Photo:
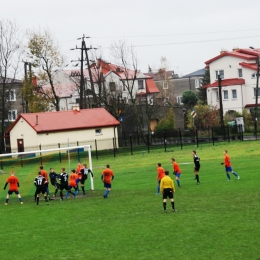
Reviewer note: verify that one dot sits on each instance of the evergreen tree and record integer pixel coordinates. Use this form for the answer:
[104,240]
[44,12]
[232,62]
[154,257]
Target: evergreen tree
[202,94]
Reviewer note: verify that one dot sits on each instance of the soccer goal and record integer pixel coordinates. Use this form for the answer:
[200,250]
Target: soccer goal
[54,155]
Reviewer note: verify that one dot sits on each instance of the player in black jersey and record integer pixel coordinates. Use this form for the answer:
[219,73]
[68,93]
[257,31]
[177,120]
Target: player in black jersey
[196,166]
[40,183]
[84,172]
[63,178]
[53,178]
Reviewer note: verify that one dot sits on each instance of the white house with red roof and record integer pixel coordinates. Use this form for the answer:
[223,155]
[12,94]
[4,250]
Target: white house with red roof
[52,128]
[116,79]
[238,72]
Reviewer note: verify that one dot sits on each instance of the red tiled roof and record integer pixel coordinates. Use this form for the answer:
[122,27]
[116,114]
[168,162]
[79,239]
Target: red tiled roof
[68,120]
[247,54]
[251,105]
[151,87]
[226,82]
[252,66]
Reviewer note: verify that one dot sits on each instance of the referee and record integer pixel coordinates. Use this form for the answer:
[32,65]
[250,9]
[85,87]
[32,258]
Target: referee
[167,189]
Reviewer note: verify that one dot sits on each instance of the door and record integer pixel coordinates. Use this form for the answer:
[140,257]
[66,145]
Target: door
[20,145]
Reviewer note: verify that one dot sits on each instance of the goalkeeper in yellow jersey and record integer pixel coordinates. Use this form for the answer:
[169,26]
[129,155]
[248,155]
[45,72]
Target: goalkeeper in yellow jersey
[167,189]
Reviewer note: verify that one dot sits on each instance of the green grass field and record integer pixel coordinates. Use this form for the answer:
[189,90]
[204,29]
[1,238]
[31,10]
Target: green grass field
[217,219]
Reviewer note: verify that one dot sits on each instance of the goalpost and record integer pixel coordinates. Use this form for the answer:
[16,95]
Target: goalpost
[39,153]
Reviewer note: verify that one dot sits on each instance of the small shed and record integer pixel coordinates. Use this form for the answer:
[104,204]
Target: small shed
[50,129]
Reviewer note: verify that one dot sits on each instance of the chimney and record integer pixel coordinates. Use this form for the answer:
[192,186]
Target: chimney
[75,108]
[235,49]
[223,51]
[36,120]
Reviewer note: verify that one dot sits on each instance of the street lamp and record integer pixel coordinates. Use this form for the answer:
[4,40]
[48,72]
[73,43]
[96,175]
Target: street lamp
[256,90]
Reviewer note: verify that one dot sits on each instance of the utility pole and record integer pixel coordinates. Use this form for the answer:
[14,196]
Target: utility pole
[90,74]
[220,105]
[82,103]
[256,93]
[28,78]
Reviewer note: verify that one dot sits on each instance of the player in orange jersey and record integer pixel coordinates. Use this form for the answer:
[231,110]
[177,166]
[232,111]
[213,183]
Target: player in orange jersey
[176,171]
[107,176]
[78,172]
[14,184]
[228,165]
[160,175]
[72,184]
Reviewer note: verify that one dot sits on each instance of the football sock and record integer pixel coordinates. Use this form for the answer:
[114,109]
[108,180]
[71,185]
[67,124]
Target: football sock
[37,199]
[164,205]
[158,189]
[61,195]
[235,174]
[228,176]
[178,182]
[83,189]
[197,178]
[47,190]
[20,199]
[172,202]
[35,195]
[67,194]
[45,197]
[56,192]
[6,200]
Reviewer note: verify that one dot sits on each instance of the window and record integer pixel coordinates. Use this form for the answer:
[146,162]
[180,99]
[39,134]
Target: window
[258,92]
[240,73]
[217,96]
[10,95]
[165,85]
[140,84]
[221,74]
[98,131]
[197,83]
[225,93]
[253,76]
[112,86]
[179,99]
[12,114]
[234,94]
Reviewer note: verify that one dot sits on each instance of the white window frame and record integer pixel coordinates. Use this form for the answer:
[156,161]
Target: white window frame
[197,83]
[179,100]
[225,92]
[140,83]
[12,115]
[10,95]
[221,73]
[165,85]
[240,71]
[234,91]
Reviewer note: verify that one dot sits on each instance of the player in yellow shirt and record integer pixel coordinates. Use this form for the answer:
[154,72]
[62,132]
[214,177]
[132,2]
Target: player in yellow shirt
[167,189]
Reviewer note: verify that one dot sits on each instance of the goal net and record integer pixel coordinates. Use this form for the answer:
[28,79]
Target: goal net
[65,155]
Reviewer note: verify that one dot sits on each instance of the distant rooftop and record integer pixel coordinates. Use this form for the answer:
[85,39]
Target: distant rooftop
[198,73]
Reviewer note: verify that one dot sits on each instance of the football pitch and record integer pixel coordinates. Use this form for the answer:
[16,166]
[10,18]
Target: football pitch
[218,219]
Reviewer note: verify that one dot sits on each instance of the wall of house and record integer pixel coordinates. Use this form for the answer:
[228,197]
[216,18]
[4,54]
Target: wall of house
[229,64]
[245,93]
[31,139]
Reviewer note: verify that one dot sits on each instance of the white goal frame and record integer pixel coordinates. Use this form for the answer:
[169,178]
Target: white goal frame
[59,149]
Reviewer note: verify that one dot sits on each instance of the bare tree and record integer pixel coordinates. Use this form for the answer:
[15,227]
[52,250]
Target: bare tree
[10,56]
[45,56]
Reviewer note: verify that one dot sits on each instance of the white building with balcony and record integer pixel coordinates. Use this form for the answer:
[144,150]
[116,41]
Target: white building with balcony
[238,72]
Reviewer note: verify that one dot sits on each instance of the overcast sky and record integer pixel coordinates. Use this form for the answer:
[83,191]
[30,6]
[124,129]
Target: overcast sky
[187,33]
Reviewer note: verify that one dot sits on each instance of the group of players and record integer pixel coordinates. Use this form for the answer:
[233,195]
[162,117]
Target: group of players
[63,181]
[166,184]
